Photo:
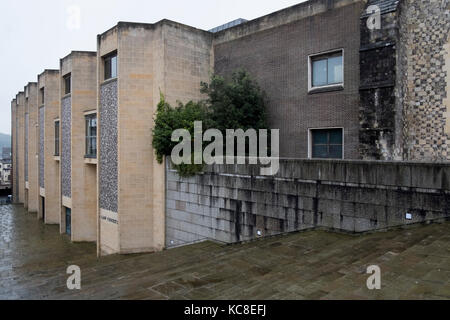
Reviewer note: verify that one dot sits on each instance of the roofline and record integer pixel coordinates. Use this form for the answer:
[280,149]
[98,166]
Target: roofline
[77,52]
[152,26]
[303,7]
[48,71]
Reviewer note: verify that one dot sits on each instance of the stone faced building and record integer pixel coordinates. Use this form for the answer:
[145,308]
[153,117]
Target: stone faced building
[136,62]
[424,85]
[404,82]
[49,186]
[391,99]
[14,152]
[78,145]
[20,156]
[336,88]
[31,160]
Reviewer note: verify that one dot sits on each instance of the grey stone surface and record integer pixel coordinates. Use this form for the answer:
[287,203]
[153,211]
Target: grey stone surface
[66,147]
[307,265]
[108,162]
[350,196]
[41,146]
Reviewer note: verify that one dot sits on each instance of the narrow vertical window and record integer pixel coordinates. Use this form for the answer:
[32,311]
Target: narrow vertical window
[57,138]
[67,84]
[42,95]
[110,65]
[91,136]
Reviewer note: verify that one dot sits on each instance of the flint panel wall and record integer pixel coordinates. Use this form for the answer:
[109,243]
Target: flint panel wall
[66,147]
[108,175]
[41,147]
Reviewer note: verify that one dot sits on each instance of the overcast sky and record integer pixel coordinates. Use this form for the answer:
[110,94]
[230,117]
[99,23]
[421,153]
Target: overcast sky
[36,34]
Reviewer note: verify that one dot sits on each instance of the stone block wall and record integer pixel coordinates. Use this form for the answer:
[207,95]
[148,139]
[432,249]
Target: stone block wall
[234,203]
[107,153]
[49,81]
[78,173]
[167,58]
[20,98]
[14,155]
[33,190]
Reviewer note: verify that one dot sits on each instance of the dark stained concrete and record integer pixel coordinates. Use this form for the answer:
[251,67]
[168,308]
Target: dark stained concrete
[312,265]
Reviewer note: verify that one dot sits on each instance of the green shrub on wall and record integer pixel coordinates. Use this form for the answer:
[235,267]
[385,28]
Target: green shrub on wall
[235,104]
[169,119]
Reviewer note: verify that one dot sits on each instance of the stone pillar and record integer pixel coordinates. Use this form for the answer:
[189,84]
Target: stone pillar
[49,208]
[78,170]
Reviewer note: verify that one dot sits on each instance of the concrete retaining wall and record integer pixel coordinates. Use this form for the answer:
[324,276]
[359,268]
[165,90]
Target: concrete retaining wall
[234,203]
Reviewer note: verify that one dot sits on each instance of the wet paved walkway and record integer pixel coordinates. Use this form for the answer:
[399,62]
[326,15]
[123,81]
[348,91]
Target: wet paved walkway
[415,264]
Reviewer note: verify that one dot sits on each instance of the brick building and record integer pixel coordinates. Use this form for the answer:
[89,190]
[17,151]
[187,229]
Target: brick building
[337,87]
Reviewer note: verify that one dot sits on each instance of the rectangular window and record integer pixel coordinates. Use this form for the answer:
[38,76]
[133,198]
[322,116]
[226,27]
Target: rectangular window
[57,138]
[91,136]
[110,64]
[42,95]
[327,70]
[327,143]
[67,84]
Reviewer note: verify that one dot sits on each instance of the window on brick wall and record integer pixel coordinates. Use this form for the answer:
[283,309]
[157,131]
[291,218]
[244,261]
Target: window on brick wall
[326,70]
[57,125]
[67,84]
[327,143]
[110,65]
[91,135]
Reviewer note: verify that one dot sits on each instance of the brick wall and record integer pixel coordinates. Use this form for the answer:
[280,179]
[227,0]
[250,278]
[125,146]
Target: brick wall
[277,58]
[49,80]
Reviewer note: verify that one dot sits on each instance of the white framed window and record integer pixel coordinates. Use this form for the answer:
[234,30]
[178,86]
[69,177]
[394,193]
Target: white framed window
[326,70]
[326,143]
[91,135]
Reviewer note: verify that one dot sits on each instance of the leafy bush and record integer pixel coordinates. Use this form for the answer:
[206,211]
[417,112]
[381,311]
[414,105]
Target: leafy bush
[235,104]
[169,119]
